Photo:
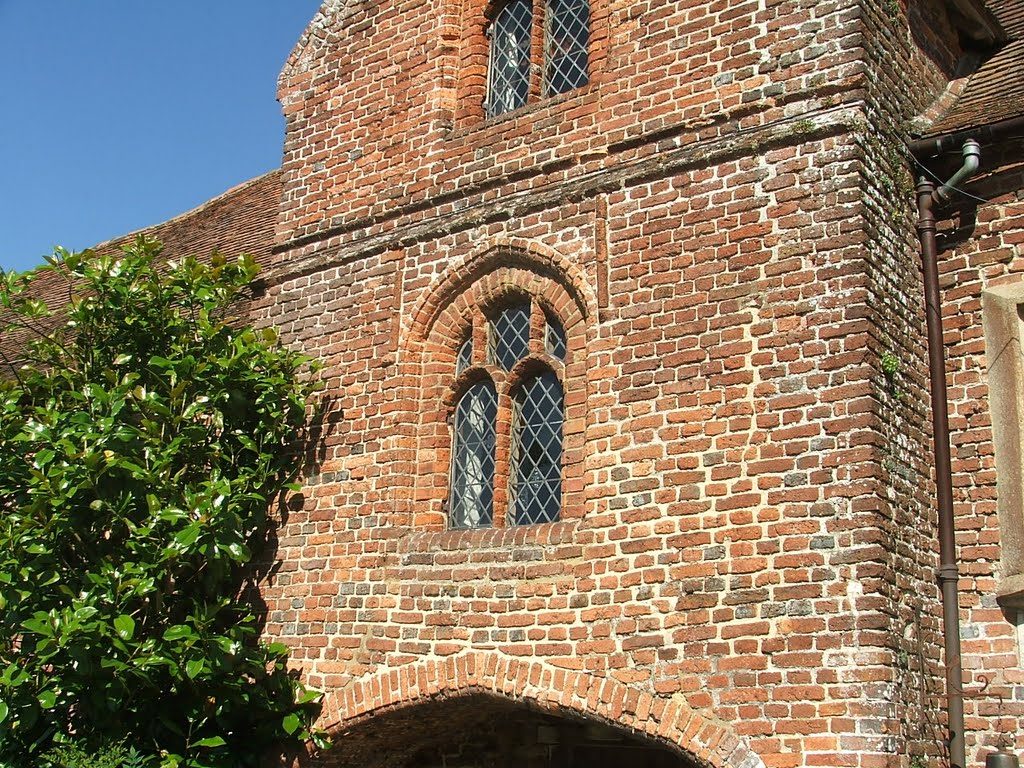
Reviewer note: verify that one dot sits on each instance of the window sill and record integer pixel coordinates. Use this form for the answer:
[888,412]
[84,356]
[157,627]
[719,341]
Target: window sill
[1011,591]
[560,532]
[553,109]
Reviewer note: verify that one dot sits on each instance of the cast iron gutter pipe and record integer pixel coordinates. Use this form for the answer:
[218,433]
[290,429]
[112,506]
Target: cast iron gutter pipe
[954,142]
[928,198]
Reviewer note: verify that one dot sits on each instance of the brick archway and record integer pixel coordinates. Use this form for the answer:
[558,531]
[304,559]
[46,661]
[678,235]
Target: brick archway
[545,687]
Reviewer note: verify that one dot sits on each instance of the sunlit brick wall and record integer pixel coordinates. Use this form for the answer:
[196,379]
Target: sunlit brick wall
[722,220]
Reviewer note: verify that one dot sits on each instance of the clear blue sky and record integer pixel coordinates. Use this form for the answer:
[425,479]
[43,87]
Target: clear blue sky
[119,114]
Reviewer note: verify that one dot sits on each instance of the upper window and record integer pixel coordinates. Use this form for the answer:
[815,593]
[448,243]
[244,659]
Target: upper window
[566,33]
[509,71]
[514,378]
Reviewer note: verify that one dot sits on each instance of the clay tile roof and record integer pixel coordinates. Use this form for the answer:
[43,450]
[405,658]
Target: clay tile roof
[992,94]
[1010,14]
[996,91]
[239,221]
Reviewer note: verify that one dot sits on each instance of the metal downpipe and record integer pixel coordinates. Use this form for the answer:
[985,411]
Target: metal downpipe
[947,573]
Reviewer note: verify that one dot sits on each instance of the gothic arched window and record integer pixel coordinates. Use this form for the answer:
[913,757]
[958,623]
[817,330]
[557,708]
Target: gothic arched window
[515,378]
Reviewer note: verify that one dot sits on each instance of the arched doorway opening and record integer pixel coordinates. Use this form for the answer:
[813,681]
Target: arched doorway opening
[485,731]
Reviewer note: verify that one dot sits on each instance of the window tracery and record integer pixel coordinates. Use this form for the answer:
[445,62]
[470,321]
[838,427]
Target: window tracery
[526,348]
[541,303]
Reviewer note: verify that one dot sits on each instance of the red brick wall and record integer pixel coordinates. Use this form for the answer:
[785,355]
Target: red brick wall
[908,70]
[726,461]
[375,114]
[722,222]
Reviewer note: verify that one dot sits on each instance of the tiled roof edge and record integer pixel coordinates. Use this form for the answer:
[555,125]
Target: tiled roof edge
[199,209]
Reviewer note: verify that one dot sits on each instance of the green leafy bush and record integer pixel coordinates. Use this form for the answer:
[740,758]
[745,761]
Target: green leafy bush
[116,756]
[141,449]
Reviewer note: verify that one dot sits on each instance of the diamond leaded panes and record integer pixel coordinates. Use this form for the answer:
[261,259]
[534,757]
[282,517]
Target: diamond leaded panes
[566,34]
[472,491]
[464,359]
[536,487]
[537,411]
[509,336]
[508,77]
[554,338]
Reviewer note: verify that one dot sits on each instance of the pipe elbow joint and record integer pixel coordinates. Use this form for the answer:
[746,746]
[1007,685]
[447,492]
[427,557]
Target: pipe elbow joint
[971,153]
[972,156]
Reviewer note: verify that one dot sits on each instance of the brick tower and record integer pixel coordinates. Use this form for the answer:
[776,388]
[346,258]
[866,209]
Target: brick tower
[625,455]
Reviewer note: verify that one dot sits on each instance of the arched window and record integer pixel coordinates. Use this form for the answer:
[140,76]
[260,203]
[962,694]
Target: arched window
[565,65]
[473,457]
[530,397]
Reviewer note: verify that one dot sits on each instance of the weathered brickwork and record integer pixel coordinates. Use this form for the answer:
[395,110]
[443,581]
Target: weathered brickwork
[909,65]
[722,222]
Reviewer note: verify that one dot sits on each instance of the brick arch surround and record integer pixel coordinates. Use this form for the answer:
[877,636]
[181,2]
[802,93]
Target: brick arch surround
[545,687]
[500,267]
[463,271]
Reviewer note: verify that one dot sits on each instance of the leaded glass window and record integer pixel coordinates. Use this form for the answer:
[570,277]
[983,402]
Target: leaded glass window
[554,338]
[566,34]
[536,487]
[508,77]
[464,359]
[472,486]
[528,453]
[509,335]
[565,64]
